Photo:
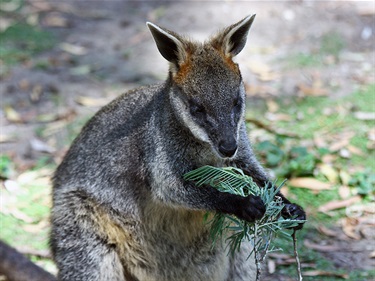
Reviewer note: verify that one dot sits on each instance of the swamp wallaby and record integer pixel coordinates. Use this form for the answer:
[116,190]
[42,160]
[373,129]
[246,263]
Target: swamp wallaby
[121,209]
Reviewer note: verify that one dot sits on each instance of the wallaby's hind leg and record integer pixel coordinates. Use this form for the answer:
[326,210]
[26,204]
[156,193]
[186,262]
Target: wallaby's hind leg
[86,258]
[81,252]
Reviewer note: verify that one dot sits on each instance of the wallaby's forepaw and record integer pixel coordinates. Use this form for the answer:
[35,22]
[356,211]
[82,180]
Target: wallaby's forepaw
[252,208]
[294,211]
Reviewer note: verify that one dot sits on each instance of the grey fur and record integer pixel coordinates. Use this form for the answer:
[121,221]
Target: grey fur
[121,209]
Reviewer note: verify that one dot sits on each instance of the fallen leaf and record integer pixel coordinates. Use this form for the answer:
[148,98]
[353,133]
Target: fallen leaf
[12,115]
[327,231]
[262,71]
[310,183]
[355,150]
[366,116]
[272,105]
[55,20]
[73,49]
[278,116]
[11,210]
[338,204]
[344,191]
[24,85]
[92,102]
[7,138]
[325,273]
[329,158]
[329,172]
[259,90]
[321,248]
[344,177]
[350,228]
[36,228]
[312,90]
[339,145]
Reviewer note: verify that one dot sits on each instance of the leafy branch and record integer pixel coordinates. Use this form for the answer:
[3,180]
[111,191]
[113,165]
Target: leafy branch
[261,232]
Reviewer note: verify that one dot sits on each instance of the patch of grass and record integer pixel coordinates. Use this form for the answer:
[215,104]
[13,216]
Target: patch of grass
[331,44]
[20,41]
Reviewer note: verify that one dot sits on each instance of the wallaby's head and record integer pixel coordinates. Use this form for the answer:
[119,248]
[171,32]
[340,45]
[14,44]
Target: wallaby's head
[207,93]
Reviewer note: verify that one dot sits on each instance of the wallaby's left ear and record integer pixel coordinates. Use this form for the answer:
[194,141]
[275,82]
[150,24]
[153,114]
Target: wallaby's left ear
[232,39]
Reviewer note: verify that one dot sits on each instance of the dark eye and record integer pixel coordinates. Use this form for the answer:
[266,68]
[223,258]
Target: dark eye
[197,110]
[237,104]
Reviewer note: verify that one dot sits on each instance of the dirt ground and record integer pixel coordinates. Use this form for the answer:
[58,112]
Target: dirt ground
[104,48]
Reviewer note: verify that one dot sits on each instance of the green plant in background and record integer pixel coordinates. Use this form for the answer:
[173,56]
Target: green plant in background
[296,161]
[20,41]
[236,231]
[364,183]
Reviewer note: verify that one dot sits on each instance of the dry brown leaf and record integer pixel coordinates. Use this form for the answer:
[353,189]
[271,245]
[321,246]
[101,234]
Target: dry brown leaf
[91,102]
[73,49]
[338,204]
[312,90]
[310,183]
[24,85]
[327,231]
[55,20]
[325,273]
[344,191]
[36,228]
[12,115]
[319,247]
[355,150]
[262,71]
[259,90]
[319,141]
[7,138]
[272,106]
[336,146]
[13,211]
[350,228]
[329,158]
[278,116]
[344,177]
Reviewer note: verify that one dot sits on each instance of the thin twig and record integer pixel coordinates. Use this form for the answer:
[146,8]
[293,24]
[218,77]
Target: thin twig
[296,255]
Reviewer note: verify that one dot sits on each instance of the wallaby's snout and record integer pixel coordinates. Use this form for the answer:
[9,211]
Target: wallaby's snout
[228,147]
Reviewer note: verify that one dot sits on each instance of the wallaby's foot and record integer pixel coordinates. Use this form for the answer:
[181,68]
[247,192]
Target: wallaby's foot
[296,212]
[252,208]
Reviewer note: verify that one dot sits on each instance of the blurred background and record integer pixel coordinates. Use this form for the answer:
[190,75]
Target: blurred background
[308,68]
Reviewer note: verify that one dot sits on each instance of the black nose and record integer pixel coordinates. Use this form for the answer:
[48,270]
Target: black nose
[228,148]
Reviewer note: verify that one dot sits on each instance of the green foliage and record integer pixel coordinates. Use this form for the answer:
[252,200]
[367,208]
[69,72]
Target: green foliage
[6,166]
[295,161]
[332,43]
[234,181]
[364,183]
[21,40]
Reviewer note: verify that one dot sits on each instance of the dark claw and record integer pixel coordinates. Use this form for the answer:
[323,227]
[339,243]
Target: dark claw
[296,212]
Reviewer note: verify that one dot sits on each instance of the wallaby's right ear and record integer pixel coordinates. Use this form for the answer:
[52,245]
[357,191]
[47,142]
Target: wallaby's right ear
[170,46]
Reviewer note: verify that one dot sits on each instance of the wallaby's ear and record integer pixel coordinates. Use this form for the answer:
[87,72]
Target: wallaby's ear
[232,39]
[169,44]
